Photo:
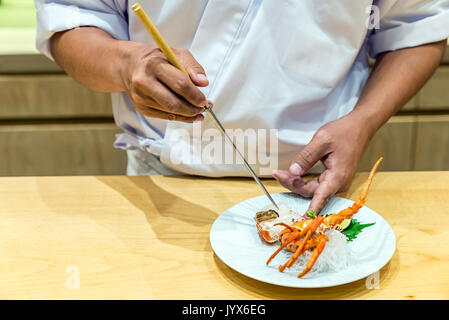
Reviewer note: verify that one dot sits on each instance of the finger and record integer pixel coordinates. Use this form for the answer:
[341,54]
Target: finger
[155,113]
[195,70]
[210,104]
[327,188]
[165,99]
[181,84]
[295,183]
[308,157]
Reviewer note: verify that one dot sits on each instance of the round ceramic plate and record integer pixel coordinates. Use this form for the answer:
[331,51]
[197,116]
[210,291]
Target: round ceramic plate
[235,240]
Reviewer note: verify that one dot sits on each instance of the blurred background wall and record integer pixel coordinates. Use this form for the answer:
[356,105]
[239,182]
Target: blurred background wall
[51,125]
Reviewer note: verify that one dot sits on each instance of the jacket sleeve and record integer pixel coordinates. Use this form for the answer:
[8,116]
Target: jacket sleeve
[408,23]
[59,15]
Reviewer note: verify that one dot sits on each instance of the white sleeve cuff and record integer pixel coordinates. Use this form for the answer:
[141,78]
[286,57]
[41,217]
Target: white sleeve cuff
[430,29]
[54,17]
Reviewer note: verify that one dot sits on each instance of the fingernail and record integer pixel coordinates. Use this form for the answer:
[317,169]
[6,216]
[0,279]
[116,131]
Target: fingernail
[295,169]
[202,77]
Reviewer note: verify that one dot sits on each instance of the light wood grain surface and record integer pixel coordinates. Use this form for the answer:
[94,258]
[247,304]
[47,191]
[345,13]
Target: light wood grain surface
[148,238]
[395,138]
[54,96]
[435,94]
[432,142]
[28,63]
[60,149]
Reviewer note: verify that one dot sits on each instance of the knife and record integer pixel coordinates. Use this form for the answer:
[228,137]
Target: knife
[169,54]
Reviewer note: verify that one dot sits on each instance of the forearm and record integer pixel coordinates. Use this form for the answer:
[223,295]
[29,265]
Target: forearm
[93,57]
[396,77]
[339,145]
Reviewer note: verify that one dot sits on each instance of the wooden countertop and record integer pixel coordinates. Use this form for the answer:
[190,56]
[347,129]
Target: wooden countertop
[148,238]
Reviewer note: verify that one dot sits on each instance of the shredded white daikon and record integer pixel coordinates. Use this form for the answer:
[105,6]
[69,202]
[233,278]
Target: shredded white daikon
[336,253]
[335,256]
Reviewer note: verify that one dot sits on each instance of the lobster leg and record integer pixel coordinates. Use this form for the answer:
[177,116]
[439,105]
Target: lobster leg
[313,227]
[285,225]
[291,238]
[316,253]
[311,244]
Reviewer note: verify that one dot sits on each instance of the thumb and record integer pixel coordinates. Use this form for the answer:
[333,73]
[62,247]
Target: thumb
[307,157]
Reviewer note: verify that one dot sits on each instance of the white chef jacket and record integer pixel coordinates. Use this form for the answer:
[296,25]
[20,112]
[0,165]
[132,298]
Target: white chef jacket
[287,65]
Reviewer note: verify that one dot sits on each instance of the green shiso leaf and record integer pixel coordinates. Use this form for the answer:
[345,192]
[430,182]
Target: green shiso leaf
[354,228]
[311,214]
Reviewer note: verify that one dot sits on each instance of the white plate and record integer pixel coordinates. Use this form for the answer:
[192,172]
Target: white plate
[235,240]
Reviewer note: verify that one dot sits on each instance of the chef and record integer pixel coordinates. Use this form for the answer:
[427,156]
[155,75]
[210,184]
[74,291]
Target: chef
[297,70]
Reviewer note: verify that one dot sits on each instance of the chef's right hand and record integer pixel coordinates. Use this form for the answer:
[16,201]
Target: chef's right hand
[157,89]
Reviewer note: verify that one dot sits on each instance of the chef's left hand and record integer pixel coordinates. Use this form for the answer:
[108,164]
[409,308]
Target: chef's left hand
[339,145]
